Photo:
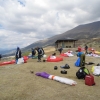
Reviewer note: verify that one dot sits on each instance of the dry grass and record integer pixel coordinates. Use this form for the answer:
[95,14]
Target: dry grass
[49,49]
[17,83]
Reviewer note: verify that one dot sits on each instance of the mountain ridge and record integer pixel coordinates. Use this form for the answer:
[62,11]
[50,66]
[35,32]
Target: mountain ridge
[84,31]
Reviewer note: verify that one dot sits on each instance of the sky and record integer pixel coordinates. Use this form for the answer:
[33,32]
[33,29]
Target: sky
[23,22]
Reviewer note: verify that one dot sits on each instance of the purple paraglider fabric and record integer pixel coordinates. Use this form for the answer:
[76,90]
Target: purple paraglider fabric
[56,78]
[43,74]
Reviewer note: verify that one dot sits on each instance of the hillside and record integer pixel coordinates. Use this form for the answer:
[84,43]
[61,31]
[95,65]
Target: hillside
[85,31]
[91,30]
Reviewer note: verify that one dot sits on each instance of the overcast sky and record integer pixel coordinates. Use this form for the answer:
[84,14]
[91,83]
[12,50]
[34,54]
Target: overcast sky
[23,22]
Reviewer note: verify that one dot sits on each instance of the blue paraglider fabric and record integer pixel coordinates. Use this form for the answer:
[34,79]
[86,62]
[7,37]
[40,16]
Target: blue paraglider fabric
[77,63]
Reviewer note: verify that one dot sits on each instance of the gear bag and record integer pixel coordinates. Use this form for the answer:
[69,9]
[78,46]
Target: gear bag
[82,72]
[77,63]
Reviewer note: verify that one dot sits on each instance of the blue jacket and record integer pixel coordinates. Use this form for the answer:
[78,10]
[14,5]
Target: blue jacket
[79,54]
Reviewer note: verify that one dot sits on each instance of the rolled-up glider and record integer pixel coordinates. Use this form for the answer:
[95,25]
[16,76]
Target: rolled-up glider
[56,78]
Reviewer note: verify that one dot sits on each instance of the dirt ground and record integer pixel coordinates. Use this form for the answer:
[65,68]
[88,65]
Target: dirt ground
[18,83]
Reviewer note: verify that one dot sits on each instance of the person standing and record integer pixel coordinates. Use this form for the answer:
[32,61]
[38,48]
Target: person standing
[0,56]
[82,57]
[60,50]
[33,52]
[40,53]
[18,54]
[86,49]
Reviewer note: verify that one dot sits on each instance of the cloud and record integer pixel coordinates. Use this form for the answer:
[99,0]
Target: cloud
[23,22]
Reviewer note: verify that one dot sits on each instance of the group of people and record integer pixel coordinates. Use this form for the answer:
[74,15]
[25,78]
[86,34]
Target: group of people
[80,54]
[39,50]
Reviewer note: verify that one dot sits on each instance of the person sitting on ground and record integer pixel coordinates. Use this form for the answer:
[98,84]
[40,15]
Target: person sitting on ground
[33,52]
[53,56]
[82,57]
[40,53]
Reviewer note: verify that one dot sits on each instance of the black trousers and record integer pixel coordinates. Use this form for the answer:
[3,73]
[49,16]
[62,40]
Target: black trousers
[60,51]
[39,57]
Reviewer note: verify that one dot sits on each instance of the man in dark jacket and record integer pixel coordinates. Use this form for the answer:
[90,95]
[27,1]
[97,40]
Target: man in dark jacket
[33,52]
[18,54]
[0,56]
[60,50]
[40,53]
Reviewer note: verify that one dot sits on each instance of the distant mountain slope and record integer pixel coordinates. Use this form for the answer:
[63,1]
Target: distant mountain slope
[85,31]
[91,30]
[7,51]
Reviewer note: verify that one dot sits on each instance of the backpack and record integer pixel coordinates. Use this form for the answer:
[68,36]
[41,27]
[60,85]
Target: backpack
[66,66]
[33,52]
[41,51]
[82,72]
